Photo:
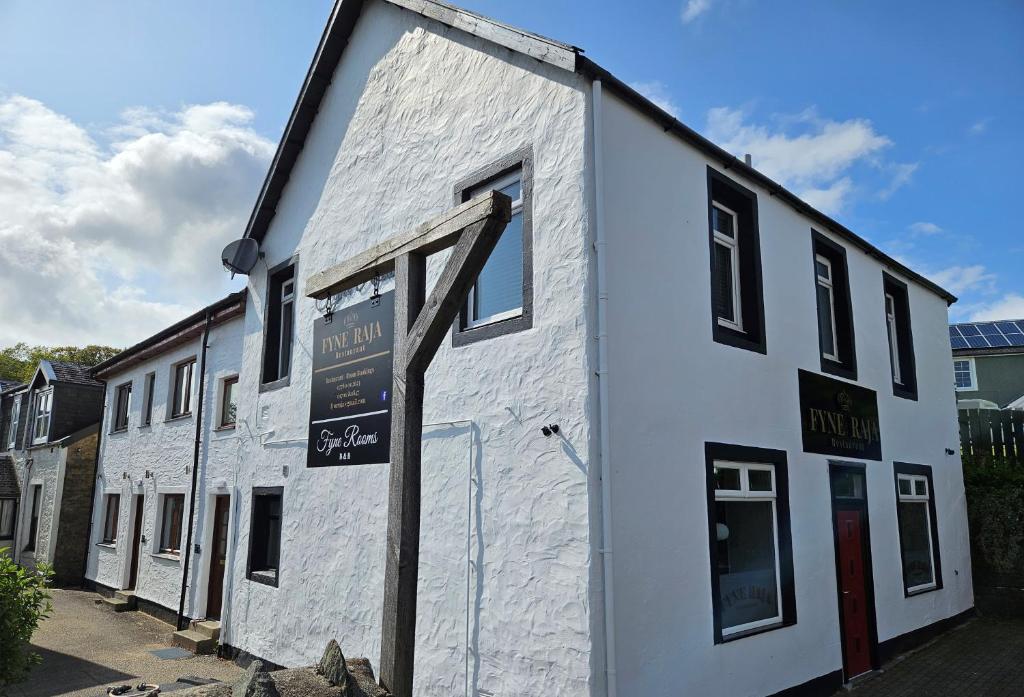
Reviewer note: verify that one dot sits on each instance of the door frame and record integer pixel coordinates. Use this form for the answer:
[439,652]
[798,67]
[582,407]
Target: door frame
[201,598]
[136,519]
[861,505]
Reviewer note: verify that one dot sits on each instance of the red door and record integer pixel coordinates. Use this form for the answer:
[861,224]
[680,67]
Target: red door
[857,645]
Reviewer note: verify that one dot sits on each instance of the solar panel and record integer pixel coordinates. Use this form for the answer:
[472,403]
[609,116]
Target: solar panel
[996,341]
[959,343]
[977,342]
[954,333]
[1015,339]
[969,330]
[988,329]
[1010,327]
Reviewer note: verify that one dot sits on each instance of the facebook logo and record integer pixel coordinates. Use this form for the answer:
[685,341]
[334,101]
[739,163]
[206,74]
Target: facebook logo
[383,395]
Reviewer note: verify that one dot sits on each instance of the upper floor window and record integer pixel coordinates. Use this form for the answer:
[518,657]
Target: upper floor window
[835,311]
[229,402]
[12,437]
[149,386]
[964,375]
[181,403]
[122,407]
[737,302]
[901,341]
[279,323]
[501,299]
[919,540]
[43,408]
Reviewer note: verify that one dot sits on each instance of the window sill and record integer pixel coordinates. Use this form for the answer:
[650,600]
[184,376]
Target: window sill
[737,338]
[920,591]
[838,369]
[145,426]
[179,417]
[756,630]
[230,427]
[490,330]
[107,545]
[275,384]
[267,578]
[166,555]
[904,392]
[117,431]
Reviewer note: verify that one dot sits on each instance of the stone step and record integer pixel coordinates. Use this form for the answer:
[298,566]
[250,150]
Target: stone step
[128,597]
[118,604]
[194,641]
[211,628]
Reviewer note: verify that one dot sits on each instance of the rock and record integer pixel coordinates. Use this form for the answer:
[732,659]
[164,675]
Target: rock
[332,666]
[255,683]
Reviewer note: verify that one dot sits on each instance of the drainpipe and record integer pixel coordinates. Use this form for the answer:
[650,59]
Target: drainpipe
[195,470]
[600,246]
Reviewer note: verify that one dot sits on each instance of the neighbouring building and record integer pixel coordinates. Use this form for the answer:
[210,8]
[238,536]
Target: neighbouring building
[49,435]
[988,364]
[689,435]
[170,456]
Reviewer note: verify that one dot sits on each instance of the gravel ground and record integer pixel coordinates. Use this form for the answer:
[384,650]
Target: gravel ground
[87,647]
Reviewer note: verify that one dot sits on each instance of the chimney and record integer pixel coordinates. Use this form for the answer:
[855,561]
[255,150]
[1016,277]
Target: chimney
[749,160]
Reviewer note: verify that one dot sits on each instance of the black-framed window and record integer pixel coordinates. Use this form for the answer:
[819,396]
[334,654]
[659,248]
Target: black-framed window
[836,343]
[501,300]
[228,402]
[149,386]
[265,535]
[181,394]
[918,528]
[737,297]
[172,510]
[8,516]
[33,524]
[122,406]
[111,513]
[896,299]
[279,325]
[750,542]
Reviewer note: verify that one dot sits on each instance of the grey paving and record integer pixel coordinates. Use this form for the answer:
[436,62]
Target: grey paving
[87,647]
[984,658]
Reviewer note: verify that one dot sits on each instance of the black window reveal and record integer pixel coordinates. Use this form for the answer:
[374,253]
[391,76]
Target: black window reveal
[737,298]
[265,535]
[918,528]
[751,545]
[901,339]
[279,323]
[836,343]
[111,514]
[123,403]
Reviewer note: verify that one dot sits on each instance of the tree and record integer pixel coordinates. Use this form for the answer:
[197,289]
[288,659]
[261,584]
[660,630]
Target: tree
[24,601]
[19,362]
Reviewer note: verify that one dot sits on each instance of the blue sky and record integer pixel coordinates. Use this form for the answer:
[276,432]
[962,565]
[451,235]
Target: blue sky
[899,119]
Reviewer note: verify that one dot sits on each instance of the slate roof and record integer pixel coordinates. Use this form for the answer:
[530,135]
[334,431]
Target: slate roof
[74,373]
[8,482]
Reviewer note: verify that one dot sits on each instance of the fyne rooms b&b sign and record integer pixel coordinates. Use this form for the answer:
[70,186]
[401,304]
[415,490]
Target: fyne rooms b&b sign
[838,418]
[350,398]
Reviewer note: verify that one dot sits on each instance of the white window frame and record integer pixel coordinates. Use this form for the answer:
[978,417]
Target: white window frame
[118,427]
[15,422]
[222,394]
[974,375]
[829,285]
[106,518]
[42,396]
[517,208]
[733,245]
[161,505]
[894,341]
[287,298]
[176,397]
[923,500]
[744,493]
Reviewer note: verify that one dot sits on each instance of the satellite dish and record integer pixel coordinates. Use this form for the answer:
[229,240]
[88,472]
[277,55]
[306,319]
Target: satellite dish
[241,255]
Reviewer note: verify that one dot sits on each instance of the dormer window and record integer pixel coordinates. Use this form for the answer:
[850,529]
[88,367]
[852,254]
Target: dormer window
[41,419]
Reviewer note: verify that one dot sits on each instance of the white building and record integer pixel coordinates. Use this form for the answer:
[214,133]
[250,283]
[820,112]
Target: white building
[148,488]
[743,408]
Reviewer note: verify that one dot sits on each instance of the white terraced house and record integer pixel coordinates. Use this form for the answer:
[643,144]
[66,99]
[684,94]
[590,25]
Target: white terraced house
[688,435]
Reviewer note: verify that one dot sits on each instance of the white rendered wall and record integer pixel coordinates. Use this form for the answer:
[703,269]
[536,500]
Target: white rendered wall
[673,388]
[166,449]
[413,108]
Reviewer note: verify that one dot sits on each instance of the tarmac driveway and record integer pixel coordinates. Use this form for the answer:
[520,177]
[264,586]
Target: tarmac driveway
[87,647]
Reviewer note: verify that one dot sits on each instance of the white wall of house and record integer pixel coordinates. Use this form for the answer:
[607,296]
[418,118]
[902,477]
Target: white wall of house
[510,609]
[672,388]
[165,449]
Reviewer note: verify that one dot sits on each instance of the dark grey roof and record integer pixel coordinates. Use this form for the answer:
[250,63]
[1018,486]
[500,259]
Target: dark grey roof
[8,480]
[339,28]
[74,373]
[9,387]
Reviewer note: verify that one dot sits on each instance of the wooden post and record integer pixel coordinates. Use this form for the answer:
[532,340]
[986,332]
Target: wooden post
[421,323]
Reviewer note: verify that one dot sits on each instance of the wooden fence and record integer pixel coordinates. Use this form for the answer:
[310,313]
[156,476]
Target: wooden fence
[987,433]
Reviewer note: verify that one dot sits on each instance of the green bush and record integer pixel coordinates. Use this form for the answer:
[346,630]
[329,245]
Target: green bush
[24,601]
[995,514]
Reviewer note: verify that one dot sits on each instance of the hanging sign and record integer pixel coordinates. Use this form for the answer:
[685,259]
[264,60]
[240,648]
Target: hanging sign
[839,418]
[350,398]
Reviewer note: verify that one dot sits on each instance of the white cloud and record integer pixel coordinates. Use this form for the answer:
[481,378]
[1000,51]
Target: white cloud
[657,92]
[962,279]
[808,154]
[109,236]
[901,175]
[925,228]
[979,126]
[692,9]
[1010,306]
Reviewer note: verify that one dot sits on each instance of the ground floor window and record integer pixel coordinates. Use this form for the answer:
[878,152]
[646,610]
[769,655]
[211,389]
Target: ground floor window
[919,540]
[170,529]
[112,512]
[751,551]
[33,524]
[8,514]
[265,535]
